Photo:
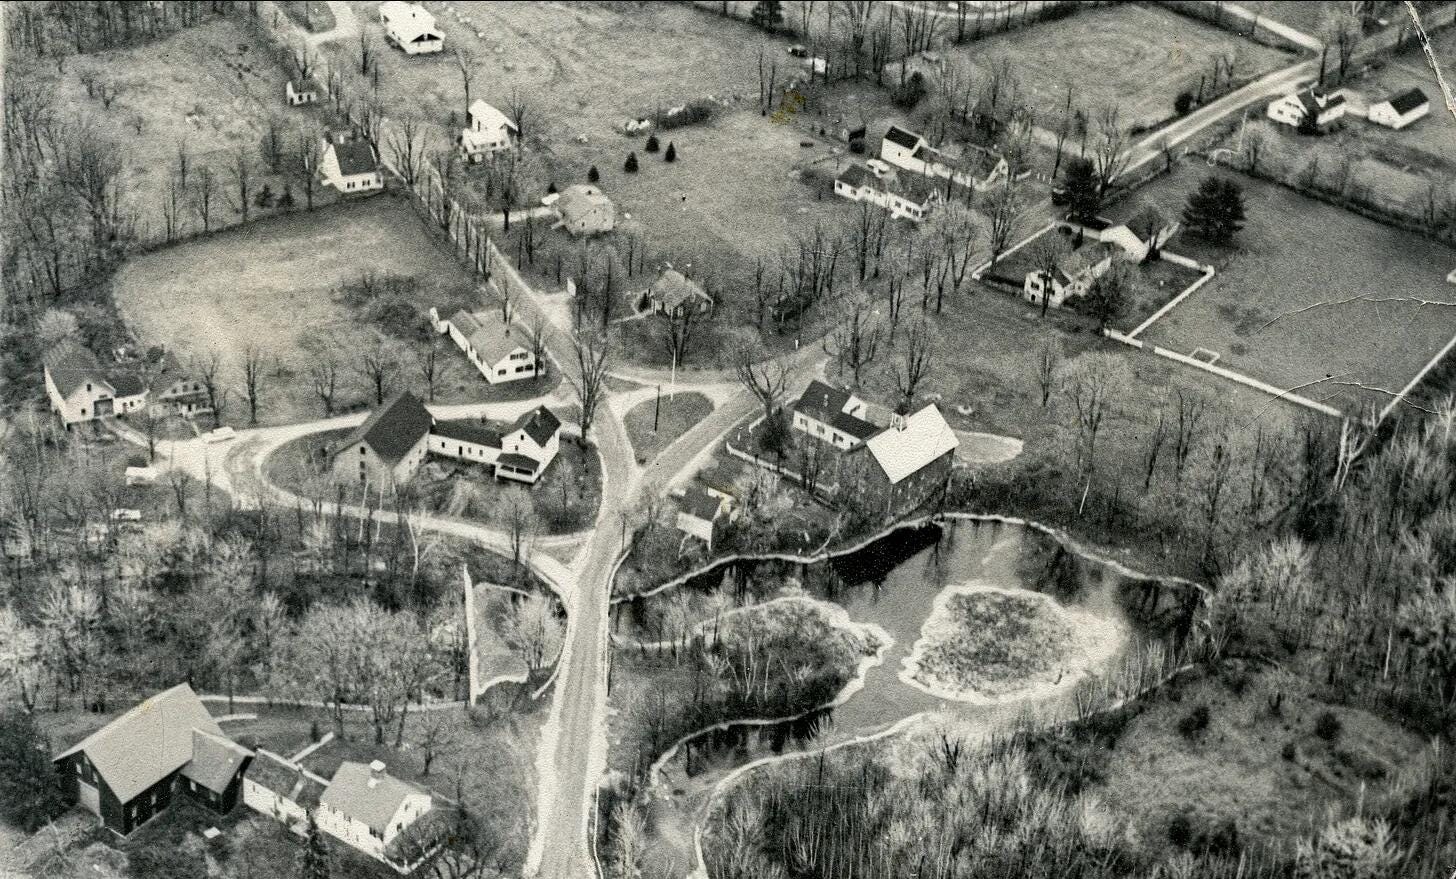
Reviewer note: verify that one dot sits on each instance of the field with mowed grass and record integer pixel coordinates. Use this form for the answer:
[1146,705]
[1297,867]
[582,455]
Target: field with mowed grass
[275,285]
[1135,57]
[1310,296]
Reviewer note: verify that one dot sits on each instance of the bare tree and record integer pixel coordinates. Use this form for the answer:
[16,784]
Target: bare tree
[1091,384]
[538,332]
[252,369]
[1047,361]
[1047,253]
[428,362]
[765,378]
[407,147]
[310,154]
[676,327]
[856,340]
[463,62]
[1003,209]
[206,192]
[915,359]
[208,370]
[592,362]
[243,181]
[520,109]
[325,376]
[1110,150]
[378,366]
[272,145]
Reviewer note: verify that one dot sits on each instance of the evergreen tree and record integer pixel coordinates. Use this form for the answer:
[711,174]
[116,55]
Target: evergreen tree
[317,861]
[1215,212]
[1084,197]
[593,175]
[652,143]
[768,14]
[630,166]
[671,154]
[30,791]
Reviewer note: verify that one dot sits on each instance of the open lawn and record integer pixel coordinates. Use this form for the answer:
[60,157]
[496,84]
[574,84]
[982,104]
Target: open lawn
[1312,297]
[675,417]
[274,284]
[1132,56]
[208,91]
[1303,15]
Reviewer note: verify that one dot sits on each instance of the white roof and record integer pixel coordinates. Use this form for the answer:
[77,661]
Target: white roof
[397,11]
[904,449]
[484,117]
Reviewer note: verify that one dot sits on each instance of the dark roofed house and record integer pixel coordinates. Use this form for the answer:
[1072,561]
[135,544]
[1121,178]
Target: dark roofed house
[520,451]
[904,195]
[1309,108]
[540,424]
[126,772]
[900,137]
[703,514]
[673,293]
[390,444]
[80,389]
[1398,111]
[350,166]
[834,416]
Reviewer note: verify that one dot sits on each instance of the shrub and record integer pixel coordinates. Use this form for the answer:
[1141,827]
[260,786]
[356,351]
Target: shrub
[671,154]
[593,175]
[690,114]
[30,789]
[652,143]
[857,146]
[551,187]
[1289,751]
[630,166]
[1180,830]
[910,92]
[286,199]
[1194,723]
[313,731]
[1327,726]
[1183,103]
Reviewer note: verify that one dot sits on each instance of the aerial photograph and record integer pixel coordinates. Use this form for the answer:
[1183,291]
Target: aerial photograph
[728,439]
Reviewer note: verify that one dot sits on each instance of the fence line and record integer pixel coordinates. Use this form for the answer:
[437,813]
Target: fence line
[1208,273]
[1222,372]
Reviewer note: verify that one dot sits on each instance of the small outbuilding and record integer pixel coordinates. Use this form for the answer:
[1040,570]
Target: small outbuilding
[585,210]
[411,27]
[1398,111]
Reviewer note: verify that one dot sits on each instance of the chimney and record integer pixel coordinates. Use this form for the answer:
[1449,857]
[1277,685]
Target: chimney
[376,769]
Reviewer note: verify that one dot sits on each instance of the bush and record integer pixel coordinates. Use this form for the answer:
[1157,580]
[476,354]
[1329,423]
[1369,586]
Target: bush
[1289,751]
[671,154]
[30,789]
[1194,723]
[910,92]
[1180,830]
[551,187]
[652,143]
[593,175]
[1183,103]
[857,146]
[630,166]
[1327,726]
[691,114]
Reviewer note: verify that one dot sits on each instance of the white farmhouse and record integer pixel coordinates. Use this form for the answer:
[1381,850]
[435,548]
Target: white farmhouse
[349,165]
[368,808]
[80,390]
[389,446]
[1074,275]
[905,196]
[520,452]
[703,514]
[834,416]
[489,132]
[411,27]
[1398,111]
[488,343]
[1309,108]
[908,150]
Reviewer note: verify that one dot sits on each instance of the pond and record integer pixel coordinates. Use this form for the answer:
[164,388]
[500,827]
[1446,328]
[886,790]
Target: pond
[893,584]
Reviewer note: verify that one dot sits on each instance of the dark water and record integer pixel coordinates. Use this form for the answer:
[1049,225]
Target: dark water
[892,585]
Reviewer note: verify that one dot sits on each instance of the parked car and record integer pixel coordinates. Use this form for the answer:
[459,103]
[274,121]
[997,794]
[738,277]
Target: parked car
[798,51]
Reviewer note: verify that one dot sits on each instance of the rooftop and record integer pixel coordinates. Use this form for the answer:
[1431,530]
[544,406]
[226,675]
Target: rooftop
[911,443]
[394,428]
[371,797]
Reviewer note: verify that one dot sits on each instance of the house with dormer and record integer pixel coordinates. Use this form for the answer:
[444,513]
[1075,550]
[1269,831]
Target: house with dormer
[500,352]
[834,416]
[80,389]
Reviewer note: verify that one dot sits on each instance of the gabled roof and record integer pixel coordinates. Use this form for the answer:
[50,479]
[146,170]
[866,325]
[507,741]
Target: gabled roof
[71,366]
[468,432]
[901,137]
[147,743]
[1146,222]
[355,157]
[286,779]
[856,176]
[394,428]
[1407,101]
[364,795]
[904,448]
[1072,265]
[696,502]
[490,337]
[540,424]
[581,197]
[215,760]
[827,404]
[672,288]
[487,118]
[1315,103]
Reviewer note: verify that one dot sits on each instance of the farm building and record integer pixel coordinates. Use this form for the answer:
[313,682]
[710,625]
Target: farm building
[410,27]
[907,150]
[703,514]
[673,293]
[585,210]
[520,452]
[904,196]
[1398,111]
[299,95]
[127,772]
[1308,110]
[281,790]
[1075,273]
[1143,233]
[488,133]
[389,446]
[902,466]
[80,390]
[368,808]
[349,165]
[834,416]
[488,343]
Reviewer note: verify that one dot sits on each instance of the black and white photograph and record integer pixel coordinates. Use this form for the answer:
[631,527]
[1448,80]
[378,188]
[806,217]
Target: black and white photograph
[728,439]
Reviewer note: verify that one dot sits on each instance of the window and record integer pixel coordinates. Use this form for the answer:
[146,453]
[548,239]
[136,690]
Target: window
[500,372]
[79,770]
[361,450]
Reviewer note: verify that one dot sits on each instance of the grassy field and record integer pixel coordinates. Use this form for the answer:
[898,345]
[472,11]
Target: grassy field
[209,90]
[1303,15]
[1312,296]
[273,284]
[1135,57]
[677,415]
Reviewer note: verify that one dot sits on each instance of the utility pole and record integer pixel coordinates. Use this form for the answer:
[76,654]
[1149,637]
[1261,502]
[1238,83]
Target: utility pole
[656,409]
